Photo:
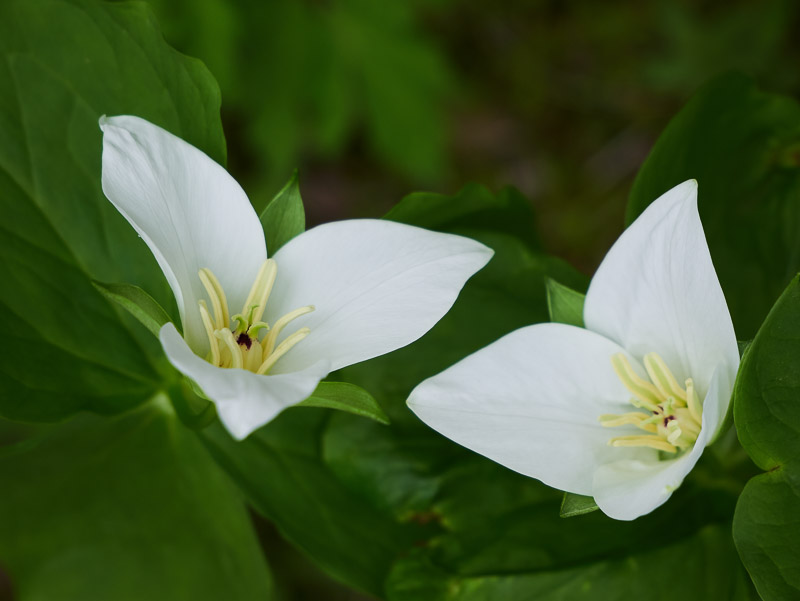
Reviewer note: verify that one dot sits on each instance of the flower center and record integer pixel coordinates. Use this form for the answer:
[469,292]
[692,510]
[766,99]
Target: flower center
[237,341]
[670,414]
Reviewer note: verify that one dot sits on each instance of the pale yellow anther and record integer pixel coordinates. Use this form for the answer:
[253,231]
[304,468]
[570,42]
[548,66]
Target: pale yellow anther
[254,289]
[662,377]
[233,348]
[634,418]
[266,289]
[693,401]
[253,357]
[272,337]
[217,297]
[282,349]
[652,442]
[213,343]
[643,390]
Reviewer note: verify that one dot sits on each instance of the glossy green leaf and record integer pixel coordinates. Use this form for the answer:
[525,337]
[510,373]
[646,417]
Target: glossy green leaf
[767,414]
[740,144]
[284,217]
[346,397]
[125,508]
[564,304]
[65,63]
[137,302]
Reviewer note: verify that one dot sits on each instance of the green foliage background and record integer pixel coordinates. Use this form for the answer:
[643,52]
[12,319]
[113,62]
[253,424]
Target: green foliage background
[564,103]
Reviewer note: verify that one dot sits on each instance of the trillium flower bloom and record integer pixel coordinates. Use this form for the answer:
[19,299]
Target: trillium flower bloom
[622,409]
[260,333]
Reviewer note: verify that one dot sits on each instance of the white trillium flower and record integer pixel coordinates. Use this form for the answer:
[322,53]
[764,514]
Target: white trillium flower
[622,409]
[259,334]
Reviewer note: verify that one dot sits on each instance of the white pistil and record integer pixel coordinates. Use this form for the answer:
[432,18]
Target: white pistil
[675,415]
[239,346]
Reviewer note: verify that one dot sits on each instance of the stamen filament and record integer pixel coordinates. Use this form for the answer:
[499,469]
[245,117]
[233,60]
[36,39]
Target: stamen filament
[213,343]
[272,337]
[282,349]
[641,389]
[217,296]
[662,377]
[643,441]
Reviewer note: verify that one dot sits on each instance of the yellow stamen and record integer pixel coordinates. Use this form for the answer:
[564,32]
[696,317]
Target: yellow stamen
[634,418]
[213,343]
[282,349]
[217,297]
[643,441]
[662,377]
[693,402]
[268,281]
[253,357]
[272,337]
[251,296]
[236,353]
[644,391]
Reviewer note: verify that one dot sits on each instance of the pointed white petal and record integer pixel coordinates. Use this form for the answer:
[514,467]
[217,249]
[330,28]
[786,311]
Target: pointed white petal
[531,402]
[657,290]
[187,208]
[627,489]
[244,400]
[376,286]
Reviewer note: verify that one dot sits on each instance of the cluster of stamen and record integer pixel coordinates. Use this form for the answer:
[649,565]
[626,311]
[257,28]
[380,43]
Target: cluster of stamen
[670,414]
[244,340]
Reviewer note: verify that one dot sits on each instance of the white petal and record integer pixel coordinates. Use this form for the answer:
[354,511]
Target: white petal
[376,286]
[531,402]
[188,209]
[627,489]
[244,400]
[656,290]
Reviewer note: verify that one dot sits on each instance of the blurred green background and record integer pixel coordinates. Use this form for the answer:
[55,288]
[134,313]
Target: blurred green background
[372,100]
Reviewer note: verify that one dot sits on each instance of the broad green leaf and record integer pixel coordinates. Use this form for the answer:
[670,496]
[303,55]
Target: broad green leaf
[574,505]
[766,527]
[125,508]
[564,304]
[700,568]
[346,397]
[284,217]
[137,302]
[65,63]
[740,144]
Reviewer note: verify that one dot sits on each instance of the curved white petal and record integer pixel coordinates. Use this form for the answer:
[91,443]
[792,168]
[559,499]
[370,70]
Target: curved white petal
[531,402]
[627,489]
[245,401]
[188,209]
[376,286]
[656,290]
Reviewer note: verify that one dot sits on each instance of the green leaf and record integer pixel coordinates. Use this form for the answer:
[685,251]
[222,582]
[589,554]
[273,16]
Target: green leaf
[703,562]
[564,304]
[766,527]
[137,302]
[284,217]
[63,63]
[573,505]
[346,397]
[730,127]
[127,508]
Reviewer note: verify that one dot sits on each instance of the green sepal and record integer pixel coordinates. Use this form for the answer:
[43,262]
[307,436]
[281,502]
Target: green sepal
[573,505]
[346,397]
[564,304]
[284,216]
[137,302]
